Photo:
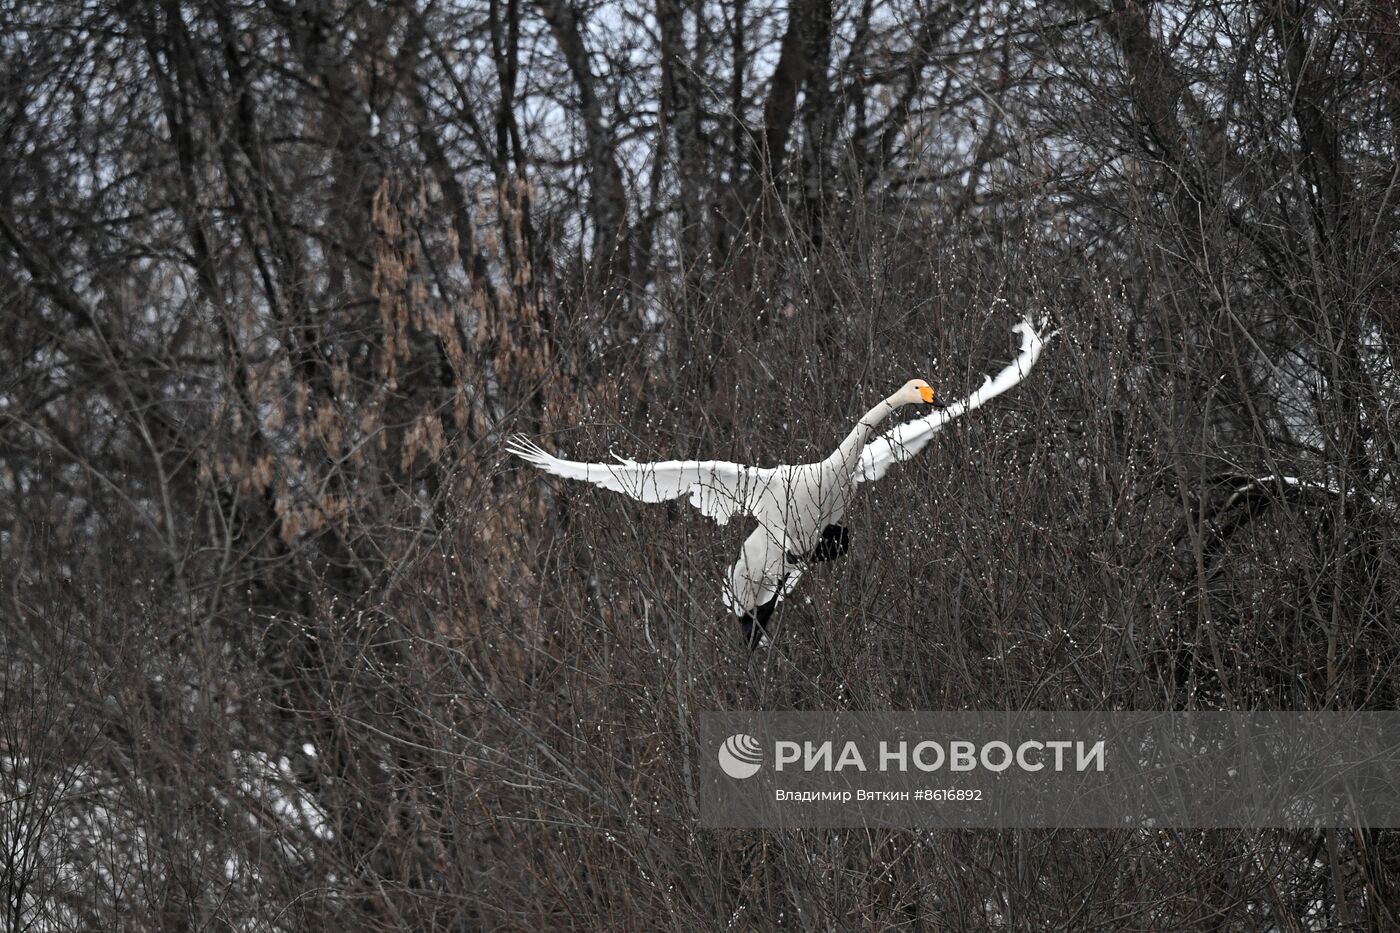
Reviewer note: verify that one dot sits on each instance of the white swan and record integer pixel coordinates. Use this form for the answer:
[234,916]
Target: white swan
[797,506]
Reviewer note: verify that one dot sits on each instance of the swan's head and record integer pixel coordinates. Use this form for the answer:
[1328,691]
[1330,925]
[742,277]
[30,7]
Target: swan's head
[915,392]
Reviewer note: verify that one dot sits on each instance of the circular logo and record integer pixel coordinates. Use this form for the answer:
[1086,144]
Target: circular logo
[740,756]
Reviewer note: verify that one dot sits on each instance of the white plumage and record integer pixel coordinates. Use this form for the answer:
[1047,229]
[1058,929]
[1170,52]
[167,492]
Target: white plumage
[796,506]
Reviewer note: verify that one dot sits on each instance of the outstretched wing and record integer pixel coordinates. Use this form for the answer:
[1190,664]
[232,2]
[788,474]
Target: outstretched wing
[718,488]
[911,437]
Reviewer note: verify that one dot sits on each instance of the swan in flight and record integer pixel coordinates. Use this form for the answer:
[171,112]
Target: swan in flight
[797,506]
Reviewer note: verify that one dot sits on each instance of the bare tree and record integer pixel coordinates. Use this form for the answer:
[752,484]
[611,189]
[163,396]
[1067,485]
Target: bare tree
[287,645]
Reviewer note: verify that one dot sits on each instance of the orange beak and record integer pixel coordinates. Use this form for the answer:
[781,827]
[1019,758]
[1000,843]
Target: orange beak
[926,394]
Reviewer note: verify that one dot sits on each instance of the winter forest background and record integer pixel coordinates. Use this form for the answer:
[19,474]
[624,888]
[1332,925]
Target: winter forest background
[288,643]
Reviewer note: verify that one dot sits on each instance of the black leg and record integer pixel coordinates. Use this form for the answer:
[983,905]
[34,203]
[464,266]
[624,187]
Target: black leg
[750,631]
[753,625]
[835,542]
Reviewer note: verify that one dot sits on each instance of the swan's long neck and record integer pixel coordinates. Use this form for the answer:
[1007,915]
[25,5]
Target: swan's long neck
[848,454]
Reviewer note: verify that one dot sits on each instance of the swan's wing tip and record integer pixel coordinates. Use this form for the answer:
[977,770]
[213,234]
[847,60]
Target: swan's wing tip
[526,449]
[1031,325]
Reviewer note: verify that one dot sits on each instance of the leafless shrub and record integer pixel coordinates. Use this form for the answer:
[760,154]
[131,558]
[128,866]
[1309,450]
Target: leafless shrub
[287,643]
